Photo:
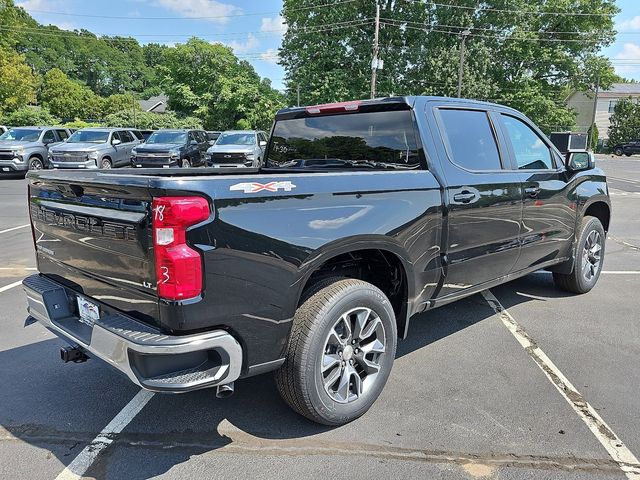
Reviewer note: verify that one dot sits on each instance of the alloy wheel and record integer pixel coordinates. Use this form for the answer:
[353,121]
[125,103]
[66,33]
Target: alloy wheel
[591,255]
[352,354]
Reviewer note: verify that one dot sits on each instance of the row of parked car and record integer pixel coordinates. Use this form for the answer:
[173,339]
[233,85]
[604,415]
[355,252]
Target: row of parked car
[35,148]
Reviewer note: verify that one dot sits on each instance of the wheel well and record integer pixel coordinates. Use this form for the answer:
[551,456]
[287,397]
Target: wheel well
[378,267]
[600,210]
[36,155]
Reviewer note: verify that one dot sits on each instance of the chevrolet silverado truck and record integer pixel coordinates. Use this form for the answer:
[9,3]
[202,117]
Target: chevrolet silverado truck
[363,215]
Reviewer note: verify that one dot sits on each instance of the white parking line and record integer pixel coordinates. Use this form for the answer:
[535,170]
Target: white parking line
[79,466]
[627,461]
[10,286]
[14,228]
[621,272]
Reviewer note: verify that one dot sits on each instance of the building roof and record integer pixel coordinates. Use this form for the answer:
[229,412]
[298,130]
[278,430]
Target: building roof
[623,89]
[157,104]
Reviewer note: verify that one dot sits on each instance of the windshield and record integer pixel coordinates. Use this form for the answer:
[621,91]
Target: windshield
[236,139]
[89,136]
[174,138]
[22,134]
[363,140]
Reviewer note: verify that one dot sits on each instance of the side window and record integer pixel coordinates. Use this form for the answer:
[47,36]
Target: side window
[136,134]
[49,137]
[191,137]
[126,137]
[262,137]
[62,134]
[530,151]
[470,138]
[202,137]
[115,136]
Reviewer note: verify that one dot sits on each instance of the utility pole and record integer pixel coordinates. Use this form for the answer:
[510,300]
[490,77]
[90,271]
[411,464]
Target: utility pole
[593,116]
[376,49]
[463,35]
[298,90]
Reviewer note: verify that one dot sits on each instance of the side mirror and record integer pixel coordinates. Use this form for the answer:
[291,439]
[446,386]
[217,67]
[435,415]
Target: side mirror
[115,142]
[262,143]
[578,161]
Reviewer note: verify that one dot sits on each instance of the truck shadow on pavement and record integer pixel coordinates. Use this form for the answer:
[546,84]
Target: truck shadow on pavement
[61,408]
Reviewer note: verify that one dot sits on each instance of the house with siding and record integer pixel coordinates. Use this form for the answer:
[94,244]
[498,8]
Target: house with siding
[582,103]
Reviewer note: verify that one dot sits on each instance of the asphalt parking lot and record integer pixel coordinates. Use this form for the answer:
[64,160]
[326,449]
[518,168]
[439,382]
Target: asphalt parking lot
[464,400]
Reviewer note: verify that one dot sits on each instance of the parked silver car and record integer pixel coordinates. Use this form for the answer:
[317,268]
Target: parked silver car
[94,148]
[237,148]
[27,148]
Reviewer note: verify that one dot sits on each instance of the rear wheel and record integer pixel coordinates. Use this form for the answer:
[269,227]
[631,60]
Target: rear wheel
[106,164]
[35,163]
[589,256]
[341,350]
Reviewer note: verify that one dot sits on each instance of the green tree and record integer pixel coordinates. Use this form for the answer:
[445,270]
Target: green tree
[17,81]
[518,53]
[625,122]
[66,98]
[27,116]
[208,81]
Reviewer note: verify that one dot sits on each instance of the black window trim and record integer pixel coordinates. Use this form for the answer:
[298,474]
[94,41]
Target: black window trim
[445,138]
[47,130]
[557,166]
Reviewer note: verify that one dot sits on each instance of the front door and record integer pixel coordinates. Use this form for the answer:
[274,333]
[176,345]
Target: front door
[484,201]
[549,212]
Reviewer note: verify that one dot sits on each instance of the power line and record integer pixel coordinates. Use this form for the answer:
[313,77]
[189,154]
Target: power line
[523,12]
[212,17]
[499,37]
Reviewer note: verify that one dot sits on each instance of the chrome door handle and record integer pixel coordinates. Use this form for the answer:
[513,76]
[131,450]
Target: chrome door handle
[532,191]
[464,197]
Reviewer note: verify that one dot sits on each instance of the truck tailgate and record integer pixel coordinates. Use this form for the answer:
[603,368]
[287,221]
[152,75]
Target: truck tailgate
[95,238]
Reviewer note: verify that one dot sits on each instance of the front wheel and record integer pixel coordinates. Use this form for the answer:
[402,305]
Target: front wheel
[105,164]
[618,152]
[35,164]
[185,163]
[589,256]
[341,350]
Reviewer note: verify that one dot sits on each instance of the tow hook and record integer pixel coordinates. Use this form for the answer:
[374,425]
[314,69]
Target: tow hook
[224,391]
[73,354]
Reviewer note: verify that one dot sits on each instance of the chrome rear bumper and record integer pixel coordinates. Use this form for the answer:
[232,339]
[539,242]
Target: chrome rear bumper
[151,359]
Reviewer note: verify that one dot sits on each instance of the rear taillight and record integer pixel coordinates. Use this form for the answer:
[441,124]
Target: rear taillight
[178,266]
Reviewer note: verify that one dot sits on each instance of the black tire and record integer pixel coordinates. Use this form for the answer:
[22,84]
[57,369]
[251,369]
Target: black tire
[185,163]
[580,280]
[618,152]
[105,164]
[36,163]
[628,154]
[301,381]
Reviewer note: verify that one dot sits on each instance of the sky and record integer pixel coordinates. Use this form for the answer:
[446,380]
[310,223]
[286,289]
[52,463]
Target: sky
[252,28]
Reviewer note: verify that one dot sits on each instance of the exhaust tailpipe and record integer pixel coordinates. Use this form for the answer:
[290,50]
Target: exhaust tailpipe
[224,391]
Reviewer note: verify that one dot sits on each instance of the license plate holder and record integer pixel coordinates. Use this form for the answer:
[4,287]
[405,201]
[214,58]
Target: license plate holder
[89,312]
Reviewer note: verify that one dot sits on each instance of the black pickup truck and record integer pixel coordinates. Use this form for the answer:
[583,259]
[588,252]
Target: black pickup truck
[364,214]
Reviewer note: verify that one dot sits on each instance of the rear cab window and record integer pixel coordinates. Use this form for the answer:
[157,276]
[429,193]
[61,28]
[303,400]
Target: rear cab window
[470,139]
[377,139]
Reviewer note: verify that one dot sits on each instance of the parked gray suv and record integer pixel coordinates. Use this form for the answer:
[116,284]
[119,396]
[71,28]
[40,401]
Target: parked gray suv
[237,148]
[27,148]
[94,148]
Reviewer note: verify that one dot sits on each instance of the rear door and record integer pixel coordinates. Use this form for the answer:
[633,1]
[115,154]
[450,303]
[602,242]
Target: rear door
[484,200]
[549,214]
[95,238]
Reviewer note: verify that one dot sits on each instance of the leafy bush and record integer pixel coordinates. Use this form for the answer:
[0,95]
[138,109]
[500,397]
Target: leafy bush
[77,123]
[150,120]
[29,116]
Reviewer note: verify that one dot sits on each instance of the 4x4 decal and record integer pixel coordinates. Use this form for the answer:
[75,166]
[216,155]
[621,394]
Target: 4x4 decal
[254,187]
